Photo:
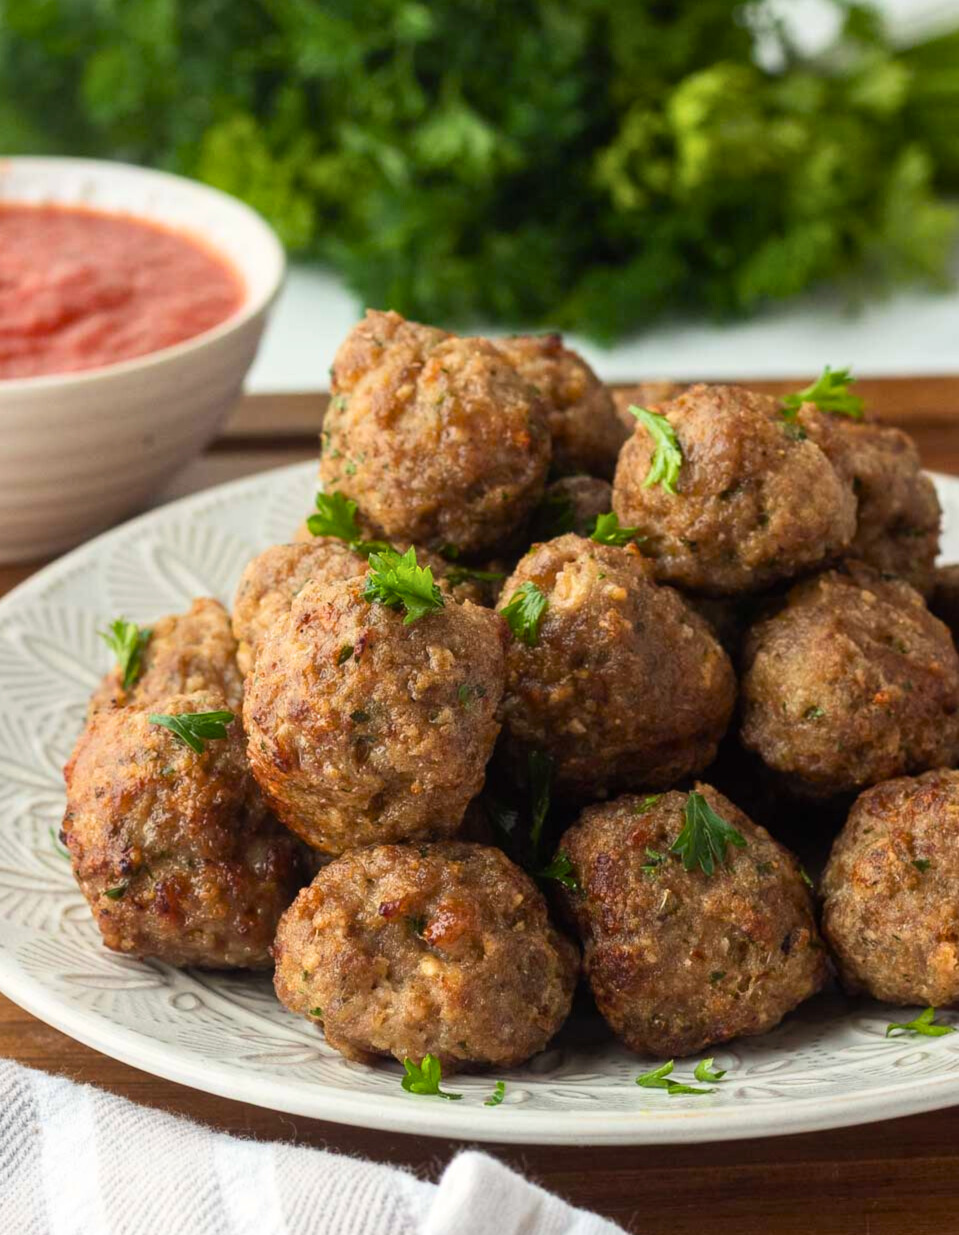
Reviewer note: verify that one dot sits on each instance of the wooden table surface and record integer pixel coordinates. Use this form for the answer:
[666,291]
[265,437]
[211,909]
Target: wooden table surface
[878,1179]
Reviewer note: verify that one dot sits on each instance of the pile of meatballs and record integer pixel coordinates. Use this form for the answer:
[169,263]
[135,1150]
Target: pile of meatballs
[756,644]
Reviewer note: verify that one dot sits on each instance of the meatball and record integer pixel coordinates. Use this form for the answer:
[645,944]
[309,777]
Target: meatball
[898,519]
[442,949]
[679,960]
[643,394]
[626,686]
[175,851]
[891,887]
[189,651]
[363,728]
[584,426]
[852,682]
[438,438]
[272,579]
[944,601]
[571,504]
[757,501]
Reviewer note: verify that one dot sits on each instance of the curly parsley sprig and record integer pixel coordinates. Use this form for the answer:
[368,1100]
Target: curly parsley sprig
[705,836]
[609,531]
[830,393]
[127,642]
[667,455]
[194,729]
[424,1078]
[399,582]
[336,517]
[524,613]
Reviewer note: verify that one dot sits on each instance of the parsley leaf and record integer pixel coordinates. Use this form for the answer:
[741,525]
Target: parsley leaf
[193,729]
[524,612]
[657,1078]
[562,870]
[925,1024]
[498,1094]
[704,838]
[59,848]
[704,1071]
[609,532]
[115,894]
[667,456]
[398,581]
[425,1078]
[830,393]
[337,518]
[127,641]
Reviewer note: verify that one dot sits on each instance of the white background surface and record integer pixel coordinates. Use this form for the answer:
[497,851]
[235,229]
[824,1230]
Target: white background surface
[912,332]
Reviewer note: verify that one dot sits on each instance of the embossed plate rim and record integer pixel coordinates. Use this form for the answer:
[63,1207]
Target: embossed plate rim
[649,1122]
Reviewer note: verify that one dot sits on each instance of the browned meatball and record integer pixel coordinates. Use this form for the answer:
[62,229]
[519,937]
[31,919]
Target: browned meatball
[757,501]
[272,579]
[944,601]
[176,851]
[649,394]
[188,651]
[852,682]
[365,729]
[437,438]
[586,431]
[891,888]
[571,504]
[626,686]
[441,950]
[898,519]
[679,960]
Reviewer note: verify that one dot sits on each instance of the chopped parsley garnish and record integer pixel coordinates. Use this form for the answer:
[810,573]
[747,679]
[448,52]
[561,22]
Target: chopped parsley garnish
[667,456]
[830,393]
[562,870]
[540,785]
[116,893]
[642,807]
[317,1012]
[609,532]
[498,1094]
[344,654]
[704,1071]
[705,836]
[657,1078]
[336,517]
[925,1024]
[656,859]
[193,729]
[921,864]
[425,1078]
[524,612]
[804,876]
[127,642]
[398,581]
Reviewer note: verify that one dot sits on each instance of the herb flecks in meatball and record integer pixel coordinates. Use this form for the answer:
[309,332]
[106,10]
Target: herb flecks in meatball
[891,888]
[852,682]
[364,728]
[438,438]
[678,958]
[623,684]
[413,950]
[757,499]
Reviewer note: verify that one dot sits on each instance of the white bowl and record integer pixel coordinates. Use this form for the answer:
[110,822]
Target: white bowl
[79,451]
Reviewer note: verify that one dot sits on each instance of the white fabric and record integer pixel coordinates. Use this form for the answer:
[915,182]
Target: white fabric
[77,1161]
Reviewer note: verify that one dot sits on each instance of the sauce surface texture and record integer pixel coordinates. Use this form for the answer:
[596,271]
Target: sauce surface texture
[80,289]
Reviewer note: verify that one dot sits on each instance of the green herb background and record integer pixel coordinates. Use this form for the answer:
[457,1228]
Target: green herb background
[586,164]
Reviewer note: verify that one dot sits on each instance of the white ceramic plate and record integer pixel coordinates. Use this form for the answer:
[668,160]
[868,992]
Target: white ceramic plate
[828,1065]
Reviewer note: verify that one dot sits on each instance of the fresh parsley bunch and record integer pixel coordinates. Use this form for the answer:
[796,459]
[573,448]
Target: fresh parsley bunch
[592,165]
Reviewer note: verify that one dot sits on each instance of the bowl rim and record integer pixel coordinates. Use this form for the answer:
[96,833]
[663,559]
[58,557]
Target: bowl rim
[250,308]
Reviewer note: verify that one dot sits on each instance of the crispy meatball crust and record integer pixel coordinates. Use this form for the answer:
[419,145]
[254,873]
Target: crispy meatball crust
[899,515]
[437,438]
[363,729]
[442,949]
[758,500]
[626,686]
[272,579]
[891,887]
[586,431]
[571,504]
[188,651]
[852,682]
[176,852]
[678,960]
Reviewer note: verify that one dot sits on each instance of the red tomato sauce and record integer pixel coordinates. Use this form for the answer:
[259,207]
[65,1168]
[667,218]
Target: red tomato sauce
[80,288]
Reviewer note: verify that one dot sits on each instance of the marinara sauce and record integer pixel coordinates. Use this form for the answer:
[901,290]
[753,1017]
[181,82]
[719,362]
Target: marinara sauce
[82,288]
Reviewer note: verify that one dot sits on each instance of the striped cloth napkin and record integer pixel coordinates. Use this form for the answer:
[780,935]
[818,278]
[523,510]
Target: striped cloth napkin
[77,1161]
